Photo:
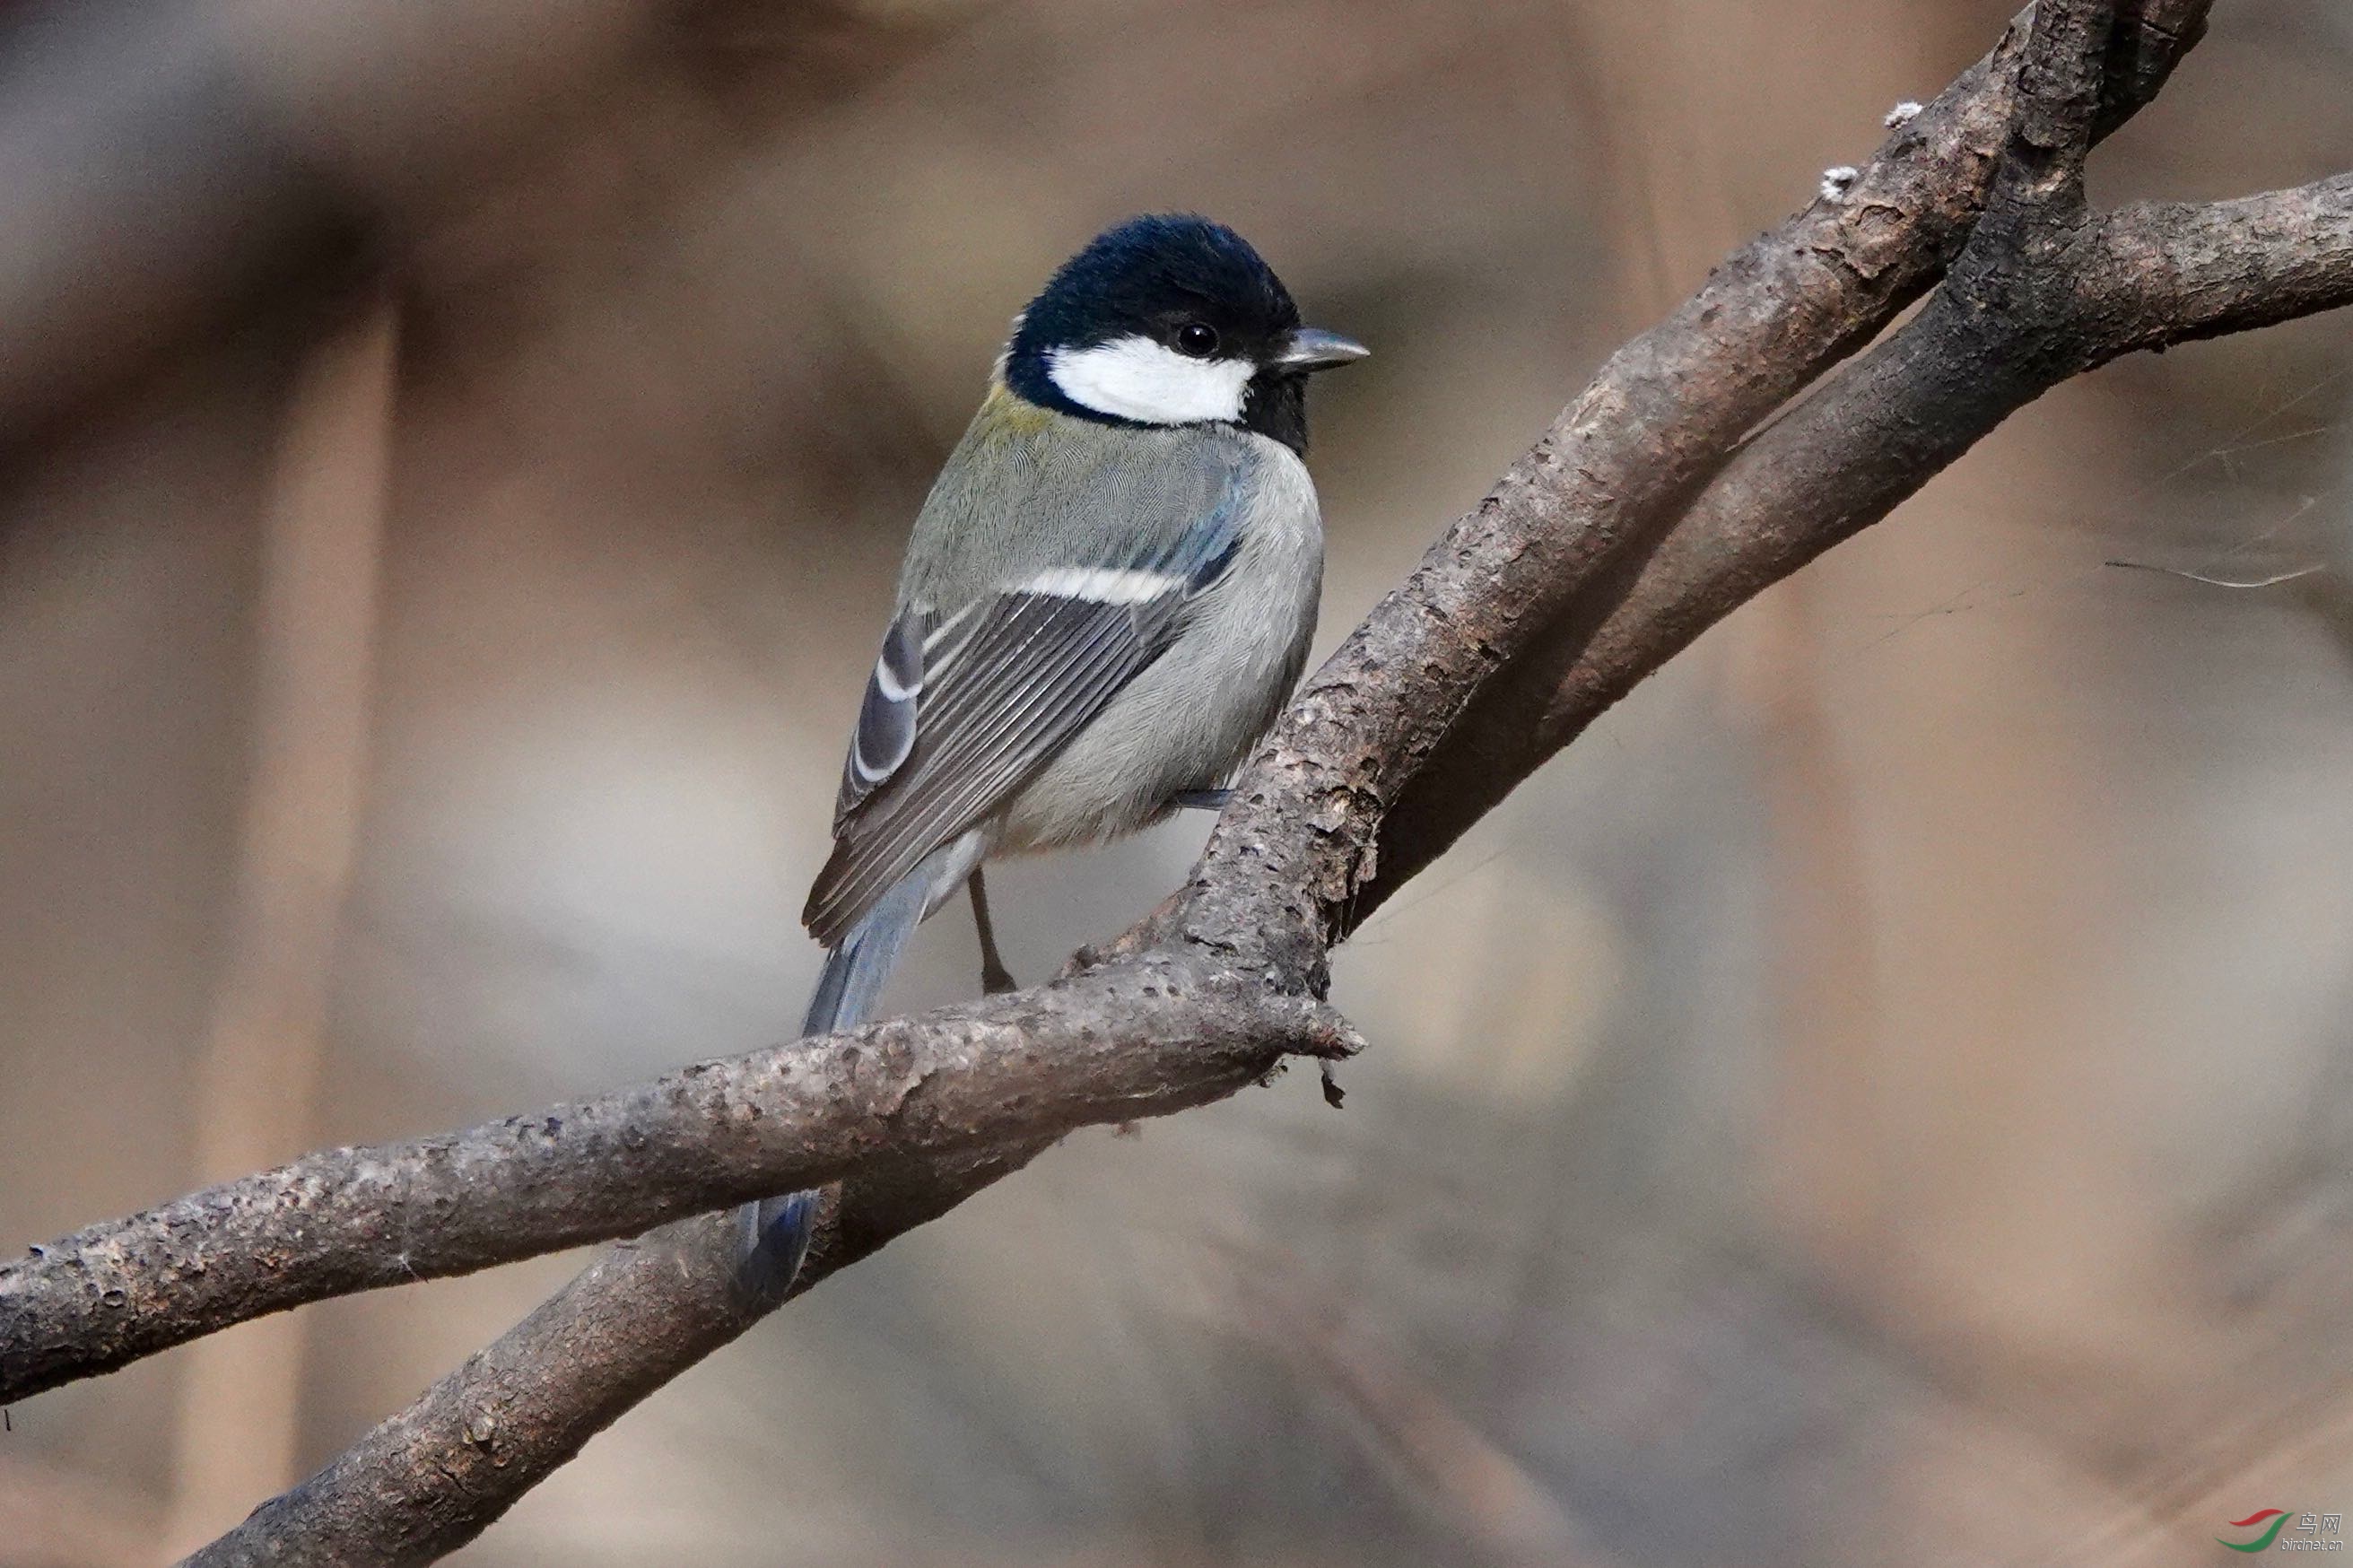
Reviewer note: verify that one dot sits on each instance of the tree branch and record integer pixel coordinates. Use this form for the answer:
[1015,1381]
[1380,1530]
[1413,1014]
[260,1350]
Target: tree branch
[434,1476]
[1358,755]
[1140,1039]
[2060,87]
[2170,272]
[2144,278]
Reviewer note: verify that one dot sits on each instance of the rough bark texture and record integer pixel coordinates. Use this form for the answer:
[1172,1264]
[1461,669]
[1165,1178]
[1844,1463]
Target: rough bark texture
[2143,278]
[1682,482]
[432,1478]
[1359,757]
[1131,1040]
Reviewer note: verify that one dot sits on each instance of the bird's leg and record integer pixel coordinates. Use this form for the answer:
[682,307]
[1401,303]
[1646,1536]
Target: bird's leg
[1204,799]
[995,978]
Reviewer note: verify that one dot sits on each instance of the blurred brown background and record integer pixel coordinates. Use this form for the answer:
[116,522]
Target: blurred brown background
[1882,1095]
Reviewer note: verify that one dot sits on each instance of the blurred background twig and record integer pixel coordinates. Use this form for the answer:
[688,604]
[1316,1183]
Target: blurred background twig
[257,1082]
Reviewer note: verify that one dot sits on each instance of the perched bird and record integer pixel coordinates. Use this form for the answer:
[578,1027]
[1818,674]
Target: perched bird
[1107,597]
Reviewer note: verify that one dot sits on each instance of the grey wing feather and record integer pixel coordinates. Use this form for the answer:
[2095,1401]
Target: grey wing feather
[1034,667]
[886,717]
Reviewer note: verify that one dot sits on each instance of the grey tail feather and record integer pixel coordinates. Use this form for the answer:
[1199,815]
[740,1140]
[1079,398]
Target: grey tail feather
[777,1230]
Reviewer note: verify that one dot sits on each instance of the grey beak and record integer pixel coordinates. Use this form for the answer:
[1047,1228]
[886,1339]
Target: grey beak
[1313,348]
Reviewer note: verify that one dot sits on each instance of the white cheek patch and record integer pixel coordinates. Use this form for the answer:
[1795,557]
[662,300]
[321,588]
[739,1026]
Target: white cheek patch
[1136,378]
[1102,585]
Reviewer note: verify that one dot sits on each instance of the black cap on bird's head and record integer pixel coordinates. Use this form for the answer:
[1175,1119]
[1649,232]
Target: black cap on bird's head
[1171,320]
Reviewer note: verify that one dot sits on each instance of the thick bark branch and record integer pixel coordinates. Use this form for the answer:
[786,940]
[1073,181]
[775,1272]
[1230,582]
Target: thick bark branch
[2057,103]
[2168,272]
[1353,756]
[435,1476]
[1136,1039]
[2145,278]
[2151,276]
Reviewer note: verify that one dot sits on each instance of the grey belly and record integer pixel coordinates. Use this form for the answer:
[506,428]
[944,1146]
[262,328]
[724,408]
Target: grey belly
[1189,719]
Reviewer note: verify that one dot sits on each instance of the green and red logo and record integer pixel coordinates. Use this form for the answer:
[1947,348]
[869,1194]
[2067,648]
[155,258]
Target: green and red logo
[2278,1517]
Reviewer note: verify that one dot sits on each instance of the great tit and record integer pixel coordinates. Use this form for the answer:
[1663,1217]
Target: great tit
[1108,594]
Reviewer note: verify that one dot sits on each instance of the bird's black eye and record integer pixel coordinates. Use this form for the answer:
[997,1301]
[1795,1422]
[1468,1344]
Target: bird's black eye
[1197,339]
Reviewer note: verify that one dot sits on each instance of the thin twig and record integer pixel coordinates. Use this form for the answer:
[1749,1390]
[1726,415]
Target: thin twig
[2273,581]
